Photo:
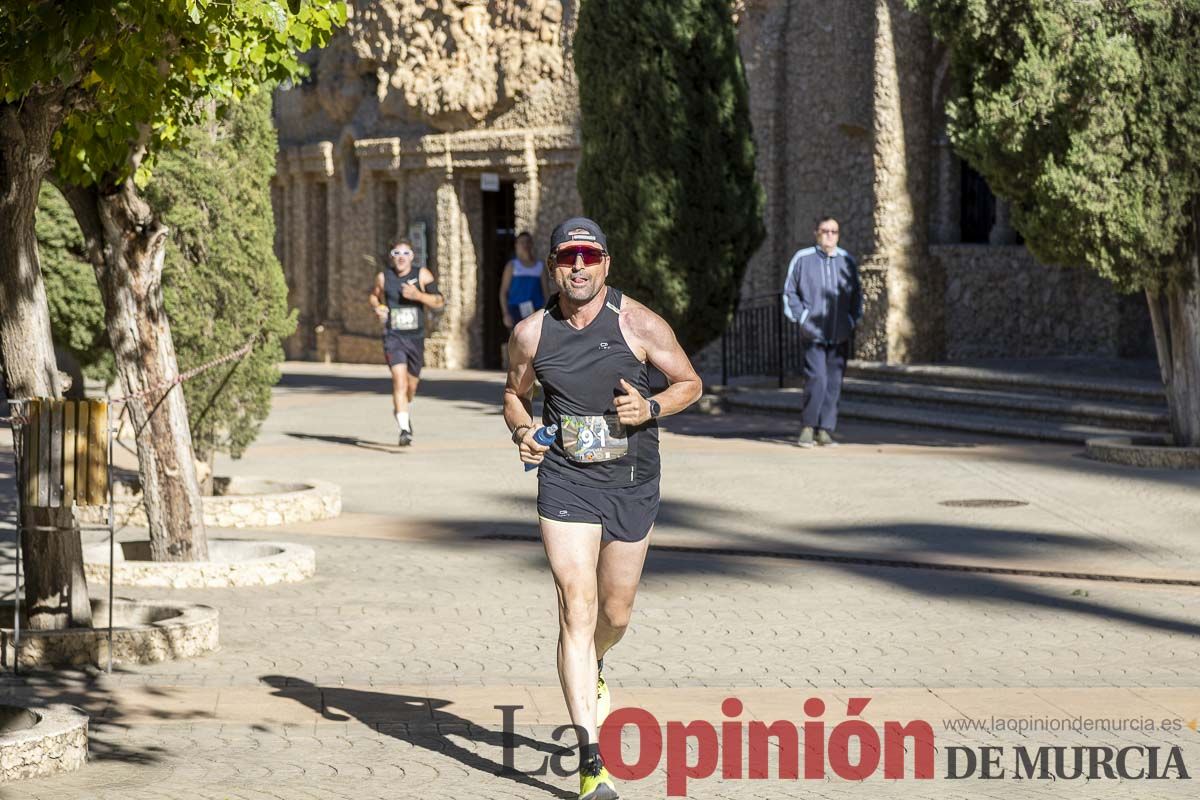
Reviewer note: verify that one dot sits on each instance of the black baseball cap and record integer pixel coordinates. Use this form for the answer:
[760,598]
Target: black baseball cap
[578,229]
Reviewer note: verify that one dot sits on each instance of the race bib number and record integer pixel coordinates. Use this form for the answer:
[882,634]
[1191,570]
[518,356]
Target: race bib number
[525,309]
[403,319]
[592,439]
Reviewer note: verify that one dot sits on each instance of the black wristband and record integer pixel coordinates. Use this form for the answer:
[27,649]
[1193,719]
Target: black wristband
[519,433]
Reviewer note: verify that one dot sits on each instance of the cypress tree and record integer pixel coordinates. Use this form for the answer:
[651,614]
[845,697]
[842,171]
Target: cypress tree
[667,166]
[1086,117]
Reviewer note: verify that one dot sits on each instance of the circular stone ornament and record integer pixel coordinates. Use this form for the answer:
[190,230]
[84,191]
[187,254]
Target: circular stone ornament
[232,562]
[36,741]
[235,503]
[144,632]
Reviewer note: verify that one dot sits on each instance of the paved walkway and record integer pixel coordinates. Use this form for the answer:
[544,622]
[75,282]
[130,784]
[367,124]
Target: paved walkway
[431,606]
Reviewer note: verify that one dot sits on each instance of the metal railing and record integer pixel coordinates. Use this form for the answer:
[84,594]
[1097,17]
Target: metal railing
[760,341]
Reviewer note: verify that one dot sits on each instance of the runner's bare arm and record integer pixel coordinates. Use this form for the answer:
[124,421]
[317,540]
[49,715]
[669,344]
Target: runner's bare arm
[652,339]
[430,299]
[518,391]
[375,298]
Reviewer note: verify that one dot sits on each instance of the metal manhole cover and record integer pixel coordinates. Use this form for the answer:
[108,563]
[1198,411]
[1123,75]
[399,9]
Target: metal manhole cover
[983,503]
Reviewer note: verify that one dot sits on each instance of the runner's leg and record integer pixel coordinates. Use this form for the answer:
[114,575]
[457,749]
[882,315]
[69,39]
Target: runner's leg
[618,573]
[573,549]
[400,391]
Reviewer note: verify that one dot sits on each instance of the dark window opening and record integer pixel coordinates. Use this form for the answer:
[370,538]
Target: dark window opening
[977,207]
[499,238]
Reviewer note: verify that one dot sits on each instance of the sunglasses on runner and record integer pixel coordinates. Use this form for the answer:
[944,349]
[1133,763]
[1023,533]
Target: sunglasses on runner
[399,252]
[591,256]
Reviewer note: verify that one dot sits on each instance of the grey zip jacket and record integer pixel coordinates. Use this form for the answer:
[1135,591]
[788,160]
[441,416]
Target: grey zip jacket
[823,295]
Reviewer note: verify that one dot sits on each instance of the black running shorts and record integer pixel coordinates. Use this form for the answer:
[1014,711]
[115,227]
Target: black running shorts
[626,513]
[408,350]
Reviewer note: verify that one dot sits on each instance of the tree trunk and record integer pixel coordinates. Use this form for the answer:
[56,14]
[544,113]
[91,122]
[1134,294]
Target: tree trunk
[56,593]
[127,246]
[1175,315]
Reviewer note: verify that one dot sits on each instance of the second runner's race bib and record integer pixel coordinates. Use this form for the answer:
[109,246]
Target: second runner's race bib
[594,438]
[403,318]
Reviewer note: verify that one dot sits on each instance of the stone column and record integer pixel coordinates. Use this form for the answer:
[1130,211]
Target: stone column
[946,225]
[449,346]
[528,191]
[1002,232]
[902,143]
[296,247]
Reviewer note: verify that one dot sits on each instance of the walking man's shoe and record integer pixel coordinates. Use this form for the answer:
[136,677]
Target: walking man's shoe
[806,437]
[825,439]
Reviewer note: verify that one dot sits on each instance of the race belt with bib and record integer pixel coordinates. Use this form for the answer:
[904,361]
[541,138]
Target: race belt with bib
[594,438]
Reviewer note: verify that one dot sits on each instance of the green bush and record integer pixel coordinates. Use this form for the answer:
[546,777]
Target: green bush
[667,166]
[76,311]
[222,282]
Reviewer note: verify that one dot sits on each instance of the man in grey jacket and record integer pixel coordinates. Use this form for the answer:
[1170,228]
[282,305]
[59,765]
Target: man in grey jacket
[822,295]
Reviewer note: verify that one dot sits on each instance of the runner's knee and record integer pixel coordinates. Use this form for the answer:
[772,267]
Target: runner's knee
[577,610]
[616,614]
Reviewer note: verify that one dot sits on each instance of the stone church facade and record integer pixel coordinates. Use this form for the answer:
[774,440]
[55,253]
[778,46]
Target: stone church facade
[455,122]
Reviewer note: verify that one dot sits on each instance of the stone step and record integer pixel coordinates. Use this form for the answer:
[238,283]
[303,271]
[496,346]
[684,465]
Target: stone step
[1124,416]
[1083,387]
[790,401]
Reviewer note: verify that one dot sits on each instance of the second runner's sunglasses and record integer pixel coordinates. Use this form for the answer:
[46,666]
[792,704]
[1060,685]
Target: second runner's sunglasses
[566,257]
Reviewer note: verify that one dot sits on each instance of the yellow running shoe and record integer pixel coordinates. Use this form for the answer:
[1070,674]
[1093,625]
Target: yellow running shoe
[603,701]
[595,783]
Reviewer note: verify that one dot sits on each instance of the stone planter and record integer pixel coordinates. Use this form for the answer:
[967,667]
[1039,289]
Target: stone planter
[144,632]
[1155,452]
[233,562]
[40,741]
[237,503]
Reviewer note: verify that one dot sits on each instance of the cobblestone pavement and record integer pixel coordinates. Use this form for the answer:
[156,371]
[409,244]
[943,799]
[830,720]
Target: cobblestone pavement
[379,677]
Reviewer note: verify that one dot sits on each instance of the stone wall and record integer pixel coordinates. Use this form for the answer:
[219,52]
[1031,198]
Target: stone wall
[1000,302]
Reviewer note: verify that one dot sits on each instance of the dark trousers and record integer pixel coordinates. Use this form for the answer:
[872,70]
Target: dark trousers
[824,367]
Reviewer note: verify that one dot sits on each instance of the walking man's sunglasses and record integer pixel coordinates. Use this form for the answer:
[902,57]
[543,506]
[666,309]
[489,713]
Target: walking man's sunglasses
[590,255]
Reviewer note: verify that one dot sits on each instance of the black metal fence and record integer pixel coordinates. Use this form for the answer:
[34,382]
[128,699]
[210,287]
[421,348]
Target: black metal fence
[760,341]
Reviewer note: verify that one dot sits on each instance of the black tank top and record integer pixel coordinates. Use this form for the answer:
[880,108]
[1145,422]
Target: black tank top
[580,372]
[405,317]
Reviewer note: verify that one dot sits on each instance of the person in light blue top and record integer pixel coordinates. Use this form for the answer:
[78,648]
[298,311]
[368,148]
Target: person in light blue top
[523,285]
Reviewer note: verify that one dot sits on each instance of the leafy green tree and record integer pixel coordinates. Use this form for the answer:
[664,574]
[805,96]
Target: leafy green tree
[1086,117]
[667,166]
[89,93]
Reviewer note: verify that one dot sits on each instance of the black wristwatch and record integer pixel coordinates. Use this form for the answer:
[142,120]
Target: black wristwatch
[655,409]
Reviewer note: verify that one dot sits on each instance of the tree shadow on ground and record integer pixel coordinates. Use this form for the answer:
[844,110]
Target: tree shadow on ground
[782,429]
[487,389]
[350,441]
[959,562]
[108,722]
[420,721]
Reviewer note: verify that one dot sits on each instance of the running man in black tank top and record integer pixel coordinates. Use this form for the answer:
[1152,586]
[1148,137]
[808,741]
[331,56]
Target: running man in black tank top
[399,298]
[598,484]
